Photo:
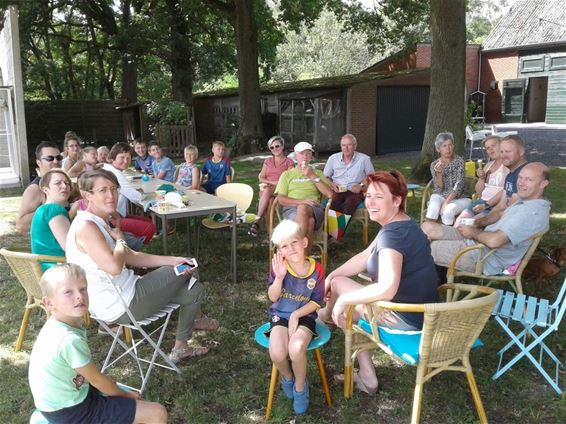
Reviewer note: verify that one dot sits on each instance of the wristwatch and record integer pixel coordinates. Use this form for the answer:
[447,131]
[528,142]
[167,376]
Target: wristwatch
[316,180]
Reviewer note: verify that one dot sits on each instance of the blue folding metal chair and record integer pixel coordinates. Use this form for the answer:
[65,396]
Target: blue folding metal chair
[531,314]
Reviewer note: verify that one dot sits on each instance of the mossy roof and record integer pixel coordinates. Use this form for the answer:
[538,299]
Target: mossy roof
[317,83]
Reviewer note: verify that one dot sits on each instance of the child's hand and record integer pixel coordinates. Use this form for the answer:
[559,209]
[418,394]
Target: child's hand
[293,324]
[278,265]
[133,395]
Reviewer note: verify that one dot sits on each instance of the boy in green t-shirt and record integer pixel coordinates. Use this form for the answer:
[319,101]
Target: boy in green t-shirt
[65,383]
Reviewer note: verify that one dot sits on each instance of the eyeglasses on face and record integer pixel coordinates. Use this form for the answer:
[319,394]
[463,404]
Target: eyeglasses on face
[51,158]
[104,190]
[275,146]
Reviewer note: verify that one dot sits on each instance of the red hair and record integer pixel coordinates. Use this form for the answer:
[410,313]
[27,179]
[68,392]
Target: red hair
[395,182]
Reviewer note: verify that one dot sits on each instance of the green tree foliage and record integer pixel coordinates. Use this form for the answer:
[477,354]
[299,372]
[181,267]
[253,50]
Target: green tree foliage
[324,49]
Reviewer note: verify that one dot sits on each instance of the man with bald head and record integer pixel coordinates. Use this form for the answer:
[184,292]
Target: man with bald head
[526,217]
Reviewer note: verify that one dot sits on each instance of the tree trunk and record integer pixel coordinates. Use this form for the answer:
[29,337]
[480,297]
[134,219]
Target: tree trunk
[129,65]
[251,129]
[446,103]
[180,59]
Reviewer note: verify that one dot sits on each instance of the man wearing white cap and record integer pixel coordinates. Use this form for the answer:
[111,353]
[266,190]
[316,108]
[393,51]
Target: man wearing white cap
[299,192]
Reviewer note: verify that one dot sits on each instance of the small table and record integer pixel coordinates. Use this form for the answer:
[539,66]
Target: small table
[414,188]
[200,204]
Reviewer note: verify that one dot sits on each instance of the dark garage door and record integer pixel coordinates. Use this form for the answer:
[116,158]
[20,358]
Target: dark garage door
[401,118]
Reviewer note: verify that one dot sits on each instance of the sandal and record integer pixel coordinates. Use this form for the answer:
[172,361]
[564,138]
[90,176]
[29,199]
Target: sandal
[254,229]
[177,355]
[205,323]
[359,384]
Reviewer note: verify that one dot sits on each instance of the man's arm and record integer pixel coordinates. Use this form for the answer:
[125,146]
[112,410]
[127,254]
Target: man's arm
[494,215]
[491,239]
[31,200]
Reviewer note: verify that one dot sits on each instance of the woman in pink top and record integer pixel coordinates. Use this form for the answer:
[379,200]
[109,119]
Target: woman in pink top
[272,169]
[491,179]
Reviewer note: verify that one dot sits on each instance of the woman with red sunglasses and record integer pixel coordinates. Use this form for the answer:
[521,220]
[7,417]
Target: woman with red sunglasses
[271,170]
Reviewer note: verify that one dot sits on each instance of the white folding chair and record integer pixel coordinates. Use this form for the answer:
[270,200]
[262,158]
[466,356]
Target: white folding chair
[134,350]
[532,314]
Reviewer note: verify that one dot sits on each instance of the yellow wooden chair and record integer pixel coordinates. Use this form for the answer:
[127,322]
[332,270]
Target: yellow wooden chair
[513,279]
[320,236]
[450,330]
[27,269]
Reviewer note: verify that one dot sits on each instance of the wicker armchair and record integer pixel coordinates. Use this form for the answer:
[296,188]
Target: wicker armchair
[450,330]
[27,269]
[514,279]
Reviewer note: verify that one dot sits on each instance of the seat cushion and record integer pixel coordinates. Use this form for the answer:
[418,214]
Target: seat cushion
[404,344]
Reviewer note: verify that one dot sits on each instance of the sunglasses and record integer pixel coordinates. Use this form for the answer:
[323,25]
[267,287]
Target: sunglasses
[51,158]
[275,146]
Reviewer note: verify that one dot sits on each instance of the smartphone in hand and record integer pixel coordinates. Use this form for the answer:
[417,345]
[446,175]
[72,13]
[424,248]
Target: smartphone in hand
[179,269]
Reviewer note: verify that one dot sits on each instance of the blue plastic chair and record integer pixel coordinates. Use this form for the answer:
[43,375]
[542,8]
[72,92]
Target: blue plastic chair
[531,314]
[315,345]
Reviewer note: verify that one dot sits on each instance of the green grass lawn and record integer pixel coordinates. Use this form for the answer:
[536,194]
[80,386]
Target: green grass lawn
[229,385]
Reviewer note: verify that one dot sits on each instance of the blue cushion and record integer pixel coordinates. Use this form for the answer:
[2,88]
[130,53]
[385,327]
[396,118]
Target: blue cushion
[404,344]
[322,331]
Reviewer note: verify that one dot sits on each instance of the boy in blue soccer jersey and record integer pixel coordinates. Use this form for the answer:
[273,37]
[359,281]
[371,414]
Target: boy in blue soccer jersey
[296,288]
[217,167]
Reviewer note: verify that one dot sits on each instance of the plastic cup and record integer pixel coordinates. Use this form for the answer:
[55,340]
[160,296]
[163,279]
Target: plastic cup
[160,195]
[162,207]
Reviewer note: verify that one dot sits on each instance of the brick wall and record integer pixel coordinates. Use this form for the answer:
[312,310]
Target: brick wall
[496,67]
[361,119]
[472,58]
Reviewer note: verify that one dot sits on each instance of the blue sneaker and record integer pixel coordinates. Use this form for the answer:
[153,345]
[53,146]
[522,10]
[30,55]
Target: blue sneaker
[287,386]
[301,399]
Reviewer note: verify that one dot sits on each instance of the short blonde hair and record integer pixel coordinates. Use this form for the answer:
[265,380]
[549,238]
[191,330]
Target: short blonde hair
[59,273]
[218,143]
[191,148]
[286,230]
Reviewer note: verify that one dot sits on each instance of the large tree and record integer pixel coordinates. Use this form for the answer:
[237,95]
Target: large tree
[447,101]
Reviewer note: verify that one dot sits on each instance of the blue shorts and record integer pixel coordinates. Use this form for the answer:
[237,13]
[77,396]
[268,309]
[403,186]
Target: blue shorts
[96,409]
[470,209]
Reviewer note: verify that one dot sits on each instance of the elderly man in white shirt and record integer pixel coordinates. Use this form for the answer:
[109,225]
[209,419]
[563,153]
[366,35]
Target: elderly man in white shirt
[347,171]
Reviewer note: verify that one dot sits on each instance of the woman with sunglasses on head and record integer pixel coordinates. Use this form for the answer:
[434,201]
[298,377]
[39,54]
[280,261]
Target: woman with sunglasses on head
[269,175]
[51,221]
[102,252]
[72,150]
[398,261]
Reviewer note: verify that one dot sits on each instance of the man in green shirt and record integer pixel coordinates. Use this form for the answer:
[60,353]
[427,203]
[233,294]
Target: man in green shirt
[299,191]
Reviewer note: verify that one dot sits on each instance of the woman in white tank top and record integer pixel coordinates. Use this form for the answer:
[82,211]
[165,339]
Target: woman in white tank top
[101,250]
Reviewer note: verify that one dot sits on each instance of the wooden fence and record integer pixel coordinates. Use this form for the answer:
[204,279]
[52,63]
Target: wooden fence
[174,138]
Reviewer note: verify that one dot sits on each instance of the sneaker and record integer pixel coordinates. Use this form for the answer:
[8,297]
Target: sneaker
[301,400]
[287,386]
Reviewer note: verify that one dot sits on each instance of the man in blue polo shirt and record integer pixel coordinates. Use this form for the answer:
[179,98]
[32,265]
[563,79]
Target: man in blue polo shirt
[513,157]
[347,171]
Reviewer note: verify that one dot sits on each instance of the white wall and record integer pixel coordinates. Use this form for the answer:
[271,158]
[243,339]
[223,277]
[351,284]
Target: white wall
[11,75]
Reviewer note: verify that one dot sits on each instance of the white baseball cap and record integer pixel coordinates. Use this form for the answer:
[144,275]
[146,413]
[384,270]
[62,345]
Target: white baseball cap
[302,146]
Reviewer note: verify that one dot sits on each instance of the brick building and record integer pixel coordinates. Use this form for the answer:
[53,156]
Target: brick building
[518,75]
